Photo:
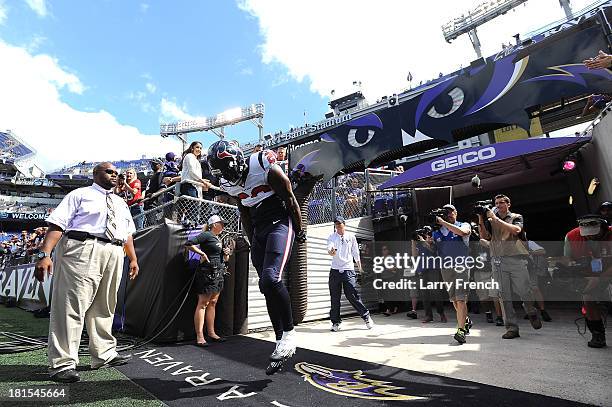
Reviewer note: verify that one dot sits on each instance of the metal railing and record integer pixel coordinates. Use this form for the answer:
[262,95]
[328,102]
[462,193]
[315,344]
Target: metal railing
[186,209]
[355,195]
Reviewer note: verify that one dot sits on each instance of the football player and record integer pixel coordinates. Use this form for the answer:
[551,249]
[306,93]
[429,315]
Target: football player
[271,220]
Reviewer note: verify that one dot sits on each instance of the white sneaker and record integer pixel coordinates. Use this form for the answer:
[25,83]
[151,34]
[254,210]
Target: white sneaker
[369,322]
[335,327]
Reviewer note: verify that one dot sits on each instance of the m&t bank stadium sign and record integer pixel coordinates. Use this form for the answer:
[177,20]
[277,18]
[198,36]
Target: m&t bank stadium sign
[301,132]
[17,216]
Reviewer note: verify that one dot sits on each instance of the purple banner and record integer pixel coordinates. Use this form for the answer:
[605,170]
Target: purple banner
[480,155]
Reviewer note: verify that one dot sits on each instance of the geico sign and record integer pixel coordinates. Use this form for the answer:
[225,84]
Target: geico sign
[466,158]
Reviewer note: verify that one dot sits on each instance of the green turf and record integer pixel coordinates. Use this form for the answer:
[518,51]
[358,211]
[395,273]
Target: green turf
[103,387]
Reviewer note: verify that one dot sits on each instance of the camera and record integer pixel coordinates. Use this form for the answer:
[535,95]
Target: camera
[431,216]
[422,232]
[481,207]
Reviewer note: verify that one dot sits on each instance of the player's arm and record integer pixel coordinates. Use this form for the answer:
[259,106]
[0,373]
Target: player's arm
[280,184]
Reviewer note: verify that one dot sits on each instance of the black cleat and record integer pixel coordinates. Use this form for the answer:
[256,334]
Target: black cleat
[276,365]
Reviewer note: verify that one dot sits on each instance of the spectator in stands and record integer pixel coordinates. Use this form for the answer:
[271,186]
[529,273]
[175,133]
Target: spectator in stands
[595,103]
[133,188]
[257,148]
[171,168]
[120,189]
[209,277]
[210,194]
[354,198]
[190,178]
[281,158]
[154,185]
[600,61]
[588,245]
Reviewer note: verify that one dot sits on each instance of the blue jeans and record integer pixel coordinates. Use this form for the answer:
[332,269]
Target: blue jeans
[189,190]
[346,280]
[137,210]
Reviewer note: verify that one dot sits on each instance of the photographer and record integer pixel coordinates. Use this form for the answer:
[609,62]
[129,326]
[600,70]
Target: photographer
[590,245]
[452,241]
[423,246]
[509,261]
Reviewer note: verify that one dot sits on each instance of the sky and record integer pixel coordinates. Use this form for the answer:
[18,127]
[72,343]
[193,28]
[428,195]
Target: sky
[93,80]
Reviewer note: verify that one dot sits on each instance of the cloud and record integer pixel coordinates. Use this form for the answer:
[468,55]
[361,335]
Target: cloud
[32,107]
[3,12]
[34,44]
[39,7]
[151,88]
[334,43]
[144,7]
[171,111]
[246,71]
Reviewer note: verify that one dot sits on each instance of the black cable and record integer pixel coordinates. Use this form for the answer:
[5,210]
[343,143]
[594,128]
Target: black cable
[22,343]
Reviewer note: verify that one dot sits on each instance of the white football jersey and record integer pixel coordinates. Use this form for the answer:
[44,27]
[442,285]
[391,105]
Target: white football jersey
[256,187]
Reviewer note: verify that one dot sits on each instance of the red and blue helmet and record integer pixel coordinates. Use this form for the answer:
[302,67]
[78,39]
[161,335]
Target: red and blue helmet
[227,160]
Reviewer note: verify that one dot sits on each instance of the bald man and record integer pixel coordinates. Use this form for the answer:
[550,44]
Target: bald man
[91,228]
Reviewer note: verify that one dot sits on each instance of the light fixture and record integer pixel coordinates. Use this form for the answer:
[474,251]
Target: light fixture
[571,200]
[593,186]
[569,165]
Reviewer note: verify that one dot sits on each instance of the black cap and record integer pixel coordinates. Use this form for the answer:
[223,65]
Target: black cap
[605,205]
[594,216]
[339,219]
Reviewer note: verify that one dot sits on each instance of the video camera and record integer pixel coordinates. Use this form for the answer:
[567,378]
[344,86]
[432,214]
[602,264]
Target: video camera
[422,232]
[432,215]
[481,207]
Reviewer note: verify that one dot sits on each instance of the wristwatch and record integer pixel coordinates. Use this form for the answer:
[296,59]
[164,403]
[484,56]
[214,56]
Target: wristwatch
[41,255]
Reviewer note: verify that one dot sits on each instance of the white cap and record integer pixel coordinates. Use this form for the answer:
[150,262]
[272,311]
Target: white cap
[215,219]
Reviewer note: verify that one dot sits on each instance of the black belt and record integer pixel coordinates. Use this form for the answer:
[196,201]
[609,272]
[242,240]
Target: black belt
[82,236]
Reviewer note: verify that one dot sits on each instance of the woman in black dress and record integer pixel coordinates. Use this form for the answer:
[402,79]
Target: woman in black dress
[208,281]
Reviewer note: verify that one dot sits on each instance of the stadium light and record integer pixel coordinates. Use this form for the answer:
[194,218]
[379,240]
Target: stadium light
[253,113]
[482,13]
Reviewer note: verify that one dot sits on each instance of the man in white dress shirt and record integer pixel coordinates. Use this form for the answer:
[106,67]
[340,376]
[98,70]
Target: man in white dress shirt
[342,245]
[91,228]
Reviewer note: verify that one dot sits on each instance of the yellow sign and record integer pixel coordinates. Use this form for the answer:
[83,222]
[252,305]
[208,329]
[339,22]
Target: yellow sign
[514,132]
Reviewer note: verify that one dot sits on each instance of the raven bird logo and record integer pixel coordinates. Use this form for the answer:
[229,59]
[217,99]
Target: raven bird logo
[351,384]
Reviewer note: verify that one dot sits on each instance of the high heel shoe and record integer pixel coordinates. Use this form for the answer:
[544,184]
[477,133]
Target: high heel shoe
[219,339]
[202,344]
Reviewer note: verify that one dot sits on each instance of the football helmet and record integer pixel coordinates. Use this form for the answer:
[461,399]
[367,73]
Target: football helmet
[227,160]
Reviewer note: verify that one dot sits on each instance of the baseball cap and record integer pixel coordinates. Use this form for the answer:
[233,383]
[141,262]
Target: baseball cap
[590,225]
[170,156]
[215,219]
[156,161]
[449,206]
[339,219]
[605,205]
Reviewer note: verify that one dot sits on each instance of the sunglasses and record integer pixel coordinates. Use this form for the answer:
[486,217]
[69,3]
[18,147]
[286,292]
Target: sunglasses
[111,172]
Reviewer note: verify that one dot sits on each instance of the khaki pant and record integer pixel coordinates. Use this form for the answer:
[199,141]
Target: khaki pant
[513,277]
[86,277]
